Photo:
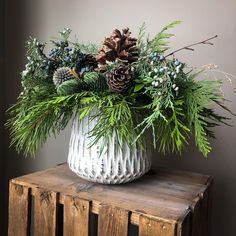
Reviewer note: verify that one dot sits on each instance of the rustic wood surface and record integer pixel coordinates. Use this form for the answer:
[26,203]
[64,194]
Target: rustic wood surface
[18,210]
[175,198]
[149,226]
[113,221]
[45,209]
[76,216]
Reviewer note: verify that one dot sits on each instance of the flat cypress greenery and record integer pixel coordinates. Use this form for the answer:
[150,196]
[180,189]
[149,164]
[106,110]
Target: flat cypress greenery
[165,97]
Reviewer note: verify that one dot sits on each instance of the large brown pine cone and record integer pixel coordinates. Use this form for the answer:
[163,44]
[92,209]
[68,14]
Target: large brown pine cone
[119,46]
[119,79]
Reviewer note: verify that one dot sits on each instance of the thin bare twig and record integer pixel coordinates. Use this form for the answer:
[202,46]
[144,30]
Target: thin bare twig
[189,47]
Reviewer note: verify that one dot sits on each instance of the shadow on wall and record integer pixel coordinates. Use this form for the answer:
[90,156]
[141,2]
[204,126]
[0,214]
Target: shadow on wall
[15,35]
[2,108]
[14,61]
[18,18]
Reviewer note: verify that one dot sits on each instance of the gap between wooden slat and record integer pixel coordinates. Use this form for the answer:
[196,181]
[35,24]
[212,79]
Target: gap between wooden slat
[95,206]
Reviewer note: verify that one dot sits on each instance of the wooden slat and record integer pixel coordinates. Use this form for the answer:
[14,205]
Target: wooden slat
[19,203]
[45,213]
[173,194]
[113,221]
[184,224]
[150,227]
[76,217]
[197,218]
[181,175]
[175,188]
[209,206]
[204,215]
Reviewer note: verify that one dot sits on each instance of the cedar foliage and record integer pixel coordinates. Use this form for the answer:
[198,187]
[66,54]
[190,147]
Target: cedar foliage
[172,115]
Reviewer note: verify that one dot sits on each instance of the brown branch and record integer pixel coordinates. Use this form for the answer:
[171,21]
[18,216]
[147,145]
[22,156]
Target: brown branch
[189,47]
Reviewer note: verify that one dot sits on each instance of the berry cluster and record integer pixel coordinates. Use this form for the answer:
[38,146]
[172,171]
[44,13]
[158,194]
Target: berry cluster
[155,57]
[163,74]
[62,55]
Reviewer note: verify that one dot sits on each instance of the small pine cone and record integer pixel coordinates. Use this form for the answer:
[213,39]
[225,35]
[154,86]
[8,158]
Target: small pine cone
[62,74]
[119,79]
[119,46]
[85,63]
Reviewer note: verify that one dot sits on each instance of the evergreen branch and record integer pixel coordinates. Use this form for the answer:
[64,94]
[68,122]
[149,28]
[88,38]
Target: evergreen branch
[162,98]
[159,43]
[114,113]
[31,125]
[199,96]
[172,133]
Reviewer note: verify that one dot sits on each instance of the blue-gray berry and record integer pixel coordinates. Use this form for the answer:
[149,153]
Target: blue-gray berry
[176,62]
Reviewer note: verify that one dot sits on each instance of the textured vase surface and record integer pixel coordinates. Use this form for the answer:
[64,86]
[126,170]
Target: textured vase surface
[114,165]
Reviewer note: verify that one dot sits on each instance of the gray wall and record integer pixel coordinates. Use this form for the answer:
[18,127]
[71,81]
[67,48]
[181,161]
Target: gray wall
[92,20]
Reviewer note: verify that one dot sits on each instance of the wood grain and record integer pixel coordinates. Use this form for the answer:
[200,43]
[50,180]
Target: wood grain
[19,207]
[113,221]
[76,216]
[180,200]
[150,227]
[45,212]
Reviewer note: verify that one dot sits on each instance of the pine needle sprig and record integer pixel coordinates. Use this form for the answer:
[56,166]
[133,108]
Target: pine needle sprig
[30,126]
[173,133]
[160,95]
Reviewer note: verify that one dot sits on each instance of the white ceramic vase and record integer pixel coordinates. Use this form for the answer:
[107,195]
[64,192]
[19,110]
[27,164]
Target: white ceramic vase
[114,165]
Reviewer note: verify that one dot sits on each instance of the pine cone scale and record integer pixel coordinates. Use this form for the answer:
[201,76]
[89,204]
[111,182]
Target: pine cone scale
[119,79]
[119,46]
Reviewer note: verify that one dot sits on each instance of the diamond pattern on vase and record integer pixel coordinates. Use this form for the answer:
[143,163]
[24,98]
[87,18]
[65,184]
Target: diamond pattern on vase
[110,167]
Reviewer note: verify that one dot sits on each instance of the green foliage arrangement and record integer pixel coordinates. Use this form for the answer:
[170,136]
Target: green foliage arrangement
[133,85]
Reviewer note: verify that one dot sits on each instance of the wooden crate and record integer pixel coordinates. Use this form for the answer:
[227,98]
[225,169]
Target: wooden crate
[162,203]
